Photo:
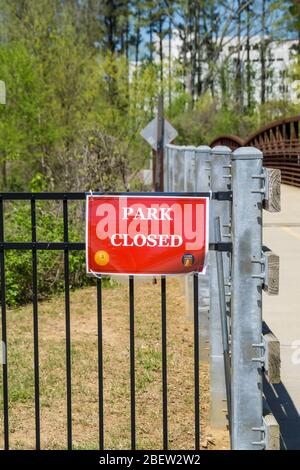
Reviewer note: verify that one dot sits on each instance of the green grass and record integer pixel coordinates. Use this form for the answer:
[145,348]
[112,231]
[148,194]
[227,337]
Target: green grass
[149,362]
[116,364]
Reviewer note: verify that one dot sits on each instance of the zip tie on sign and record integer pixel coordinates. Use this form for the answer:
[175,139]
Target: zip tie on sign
[98,276]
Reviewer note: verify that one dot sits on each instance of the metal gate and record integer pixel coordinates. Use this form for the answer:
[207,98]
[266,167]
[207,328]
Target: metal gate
[66,246]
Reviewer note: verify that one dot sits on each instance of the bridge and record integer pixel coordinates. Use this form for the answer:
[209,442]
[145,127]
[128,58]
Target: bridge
[280,143]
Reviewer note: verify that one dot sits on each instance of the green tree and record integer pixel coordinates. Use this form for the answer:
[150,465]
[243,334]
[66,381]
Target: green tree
[65,71]
[19,118]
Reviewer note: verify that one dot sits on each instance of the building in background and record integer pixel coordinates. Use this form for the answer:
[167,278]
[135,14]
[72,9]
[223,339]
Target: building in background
[279,59]
[235,63]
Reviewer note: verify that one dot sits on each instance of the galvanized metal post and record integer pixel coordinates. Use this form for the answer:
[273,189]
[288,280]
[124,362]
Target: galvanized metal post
[166,168]
[220,181]
[246,320]
[189,169]
[202,183]
[178,163]
[180,166]
[189,185]
[169,162]
[172,163]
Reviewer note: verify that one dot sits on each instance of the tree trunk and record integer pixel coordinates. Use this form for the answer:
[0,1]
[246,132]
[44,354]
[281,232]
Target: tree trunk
[249,91]
[198,51]
[137,39]
[263,53]
[239,92]
[161,54]
[170,62]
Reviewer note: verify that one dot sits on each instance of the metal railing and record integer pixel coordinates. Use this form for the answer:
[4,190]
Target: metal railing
[238,351]
[280,143]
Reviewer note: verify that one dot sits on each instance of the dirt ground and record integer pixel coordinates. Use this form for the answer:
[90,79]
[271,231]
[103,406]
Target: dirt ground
[116,372]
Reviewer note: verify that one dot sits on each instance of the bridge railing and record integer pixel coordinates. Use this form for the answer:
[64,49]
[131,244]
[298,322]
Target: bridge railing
[280,144]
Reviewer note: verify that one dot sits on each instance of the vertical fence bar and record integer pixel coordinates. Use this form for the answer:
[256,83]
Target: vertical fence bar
[68,325]
[246,299]
[223,319]
[164,362]
[4,332]
[220,181]
[35,329]
[202,184]
[196,363]
[100,363]
[132,362]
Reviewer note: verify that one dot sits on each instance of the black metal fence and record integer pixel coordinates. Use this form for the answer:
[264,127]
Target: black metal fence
[34,246]
[66,246]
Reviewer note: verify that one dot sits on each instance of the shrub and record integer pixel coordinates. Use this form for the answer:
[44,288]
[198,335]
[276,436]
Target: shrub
[18,263]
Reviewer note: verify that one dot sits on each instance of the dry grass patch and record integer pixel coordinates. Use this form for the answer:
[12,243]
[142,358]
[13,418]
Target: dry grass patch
[116,372]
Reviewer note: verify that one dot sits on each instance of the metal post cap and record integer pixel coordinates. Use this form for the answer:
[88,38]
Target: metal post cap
[221,150]
[203,149]
[189,148]
[247,153]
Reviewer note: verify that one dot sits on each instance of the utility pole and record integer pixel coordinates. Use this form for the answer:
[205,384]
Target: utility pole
[159,164]
[263,53]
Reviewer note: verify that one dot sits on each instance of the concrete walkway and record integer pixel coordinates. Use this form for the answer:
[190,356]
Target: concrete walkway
[282,313]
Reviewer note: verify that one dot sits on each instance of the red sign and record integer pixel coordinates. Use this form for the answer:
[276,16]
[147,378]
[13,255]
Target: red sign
[146,234]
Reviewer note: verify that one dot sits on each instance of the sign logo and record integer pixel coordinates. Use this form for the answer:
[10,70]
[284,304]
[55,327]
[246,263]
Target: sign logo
[146,234]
